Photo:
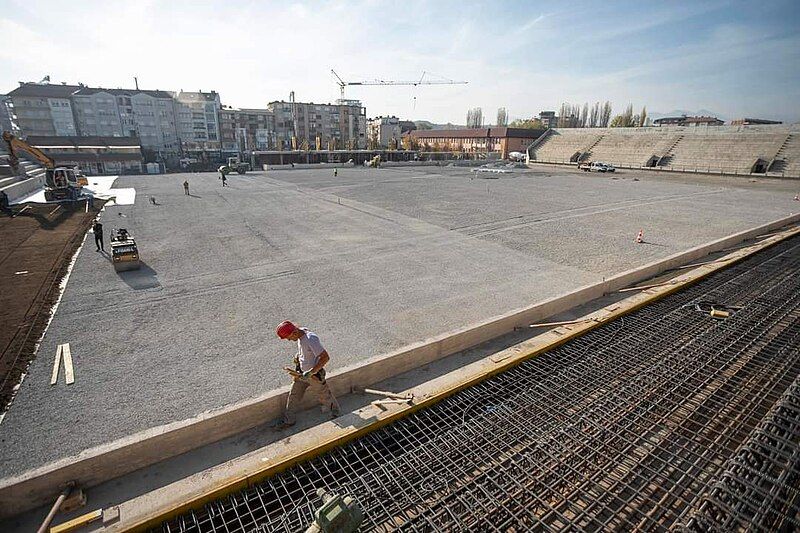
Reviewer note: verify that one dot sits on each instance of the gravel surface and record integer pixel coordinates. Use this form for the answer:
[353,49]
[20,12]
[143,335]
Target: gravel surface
[372,260]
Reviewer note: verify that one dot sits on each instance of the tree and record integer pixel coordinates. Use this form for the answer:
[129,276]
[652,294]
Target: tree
[502,117]
[529,123]
[475,117]
[643,117]
[594,117]
[585,116]
[605,114]
[626,120]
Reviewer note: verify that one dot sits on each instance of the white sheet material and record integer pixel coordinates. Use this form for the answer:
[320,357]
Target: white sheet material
[99,186]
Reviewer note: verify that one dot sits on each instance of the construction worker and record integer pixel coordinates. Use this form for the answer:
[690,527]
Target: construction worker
[186,187]
[224,179]
[335,172]
[97,228]
[309,372]
[4,204]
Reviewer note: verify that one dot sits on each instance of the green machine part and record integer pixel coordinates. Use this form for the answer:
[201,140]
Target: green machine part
[337,515]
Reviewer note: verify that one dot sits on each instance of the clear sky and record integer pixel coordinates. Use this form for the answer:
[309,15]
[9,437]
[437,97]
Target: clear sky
[734,58]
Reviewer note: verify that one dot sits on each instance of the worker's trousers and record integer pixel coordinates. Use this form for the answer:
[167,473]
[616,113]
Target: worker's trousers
[299,387]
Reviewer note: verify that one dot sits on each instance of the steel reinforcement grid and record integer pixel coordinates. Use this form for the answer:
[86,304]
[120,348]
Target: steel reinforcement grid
[664,419]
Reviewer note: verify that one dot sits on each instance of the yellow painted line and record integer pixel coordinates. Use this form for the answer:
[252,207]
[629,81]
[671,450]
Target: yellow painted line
[535,346]
[78,522]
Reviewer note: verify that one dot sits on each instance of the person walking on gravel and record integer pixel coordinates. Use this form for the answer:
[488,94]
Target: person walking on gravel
[308,372]
[186,187]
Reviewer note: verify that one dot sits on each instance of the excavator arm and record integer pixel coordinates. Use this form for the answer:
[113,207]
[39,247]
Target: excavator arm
[18,145]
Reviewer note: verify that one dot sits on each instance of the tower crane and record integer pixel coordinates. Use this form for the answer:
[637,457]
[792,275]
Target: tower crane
[421,81]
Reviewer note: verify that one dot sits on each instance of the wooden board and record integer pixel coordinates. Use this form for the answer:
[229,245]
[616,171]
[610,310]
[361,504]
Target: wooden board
[68,371]
[56,365]
[78,522]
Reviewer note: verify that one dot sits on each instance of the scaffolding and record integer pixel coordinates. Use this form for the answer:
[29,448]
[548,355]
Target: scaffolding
[666,418]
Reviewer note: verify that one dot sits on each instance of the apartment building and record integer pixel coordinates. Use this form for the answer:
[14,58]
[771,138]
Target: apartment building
[198,122]
[338,126]
[8,118]
[384,132]
[44,109]
[246,130]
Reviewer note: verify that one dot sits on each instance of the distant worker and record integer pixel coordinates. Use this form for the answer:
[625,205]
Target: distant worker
[4,204]
[224,179]
[97,228]
[186,187]
[335,172]
[309,362]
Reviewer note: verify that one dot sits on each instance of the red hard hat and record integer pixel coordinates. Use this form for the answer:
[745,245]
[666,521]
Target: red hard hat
[285,329]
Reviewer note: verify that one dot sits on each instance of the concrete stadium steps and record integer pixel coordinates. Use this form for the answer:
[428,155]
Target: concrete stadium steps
[734,152]
[628,149]
[20,188]
[720,150]
[562,144]
[787,159]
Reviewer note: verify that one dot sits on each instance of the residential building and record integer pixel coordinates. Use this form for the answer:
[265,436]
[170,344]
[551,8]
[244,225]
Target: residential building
[198,122]
[96,113]
[683,120]
[94,155]
[476,140]
[8,119]
[753,121]
[548,119]
[384,132]
[246,130]
[342,125]
[44,108]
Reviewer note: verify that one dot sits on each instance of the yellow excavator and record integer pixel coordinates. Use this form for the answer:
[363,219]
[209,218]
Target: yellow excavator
[61,183]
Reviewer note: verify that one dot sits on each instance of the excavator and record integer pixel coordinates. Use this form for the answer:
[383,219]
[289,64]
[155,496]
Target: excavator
[61,183]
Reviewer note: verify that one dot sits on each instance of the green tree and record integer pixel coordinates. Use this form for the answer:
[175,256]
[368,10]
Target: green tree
[528,123]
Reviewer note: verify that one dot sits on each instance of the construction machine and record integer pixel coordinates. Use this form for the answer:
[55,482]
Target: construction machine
[124,252]
[234,165]
[61,183]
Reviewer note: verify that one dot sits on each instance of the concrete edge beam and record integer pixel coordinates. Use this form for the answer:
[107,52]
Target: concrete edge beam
[146,511]
[99,464]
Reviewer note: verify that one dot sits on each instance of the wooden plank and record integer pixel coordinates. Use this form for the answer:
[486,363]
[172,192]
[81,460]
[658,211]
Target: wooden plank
[68,371]
[406,396]
[78,522]
[56,365]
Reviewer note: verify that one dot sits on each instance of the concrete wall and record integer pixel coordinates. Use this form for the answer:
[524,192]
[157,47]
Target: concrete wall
[114,459]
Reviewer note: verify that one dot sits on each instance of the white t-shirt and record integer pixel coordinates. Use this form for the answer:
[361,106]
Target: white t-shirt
[309,349]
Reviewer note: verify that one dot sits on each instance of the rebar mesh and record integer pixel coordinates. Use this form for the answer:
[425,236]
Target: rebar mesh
[663,419]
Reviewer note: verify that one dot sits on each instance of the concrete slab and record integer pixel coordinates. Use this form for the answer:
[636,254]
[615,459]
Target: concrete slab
[372,260]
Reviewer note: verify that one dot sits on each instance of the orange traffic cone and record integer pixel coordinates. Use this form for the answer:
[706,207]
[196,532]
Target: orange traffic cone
[640,237]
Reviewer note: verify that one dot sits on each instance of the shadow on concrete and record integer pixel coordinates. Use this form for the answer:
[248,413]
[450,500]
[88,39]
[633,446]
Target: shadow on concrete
[141,279]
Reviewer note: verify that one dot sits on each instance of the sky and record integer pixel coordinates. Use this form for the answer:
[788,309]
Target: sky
[734,58]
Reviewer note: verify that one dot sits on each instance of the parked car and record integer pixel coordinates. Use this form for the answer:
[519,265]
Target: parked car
[594,166]
[609,166]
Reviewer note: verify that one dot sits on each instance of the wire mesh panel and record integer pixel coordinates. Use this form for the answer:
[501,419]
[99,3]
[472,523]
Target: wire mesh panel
[666,418]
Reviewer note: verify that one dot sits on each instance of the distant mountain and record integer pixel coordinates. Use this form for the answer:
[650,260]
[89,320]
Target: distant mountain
[678,112]
[427,125]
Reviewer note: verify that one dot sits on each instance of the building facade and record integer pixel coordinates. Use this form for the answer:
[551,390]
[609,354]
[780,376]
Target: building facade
[688,121]
[8,118]
[44,108]
[338,126]
[548,119]
[198,123]
[246,130]
[476,140]
[384,132]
